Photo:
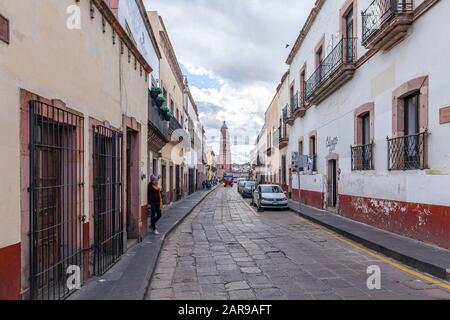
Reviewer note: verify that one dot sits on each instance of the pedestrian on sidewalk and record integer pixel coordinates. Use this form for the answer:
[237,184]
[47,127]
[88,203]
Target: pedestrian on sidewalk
[155,203]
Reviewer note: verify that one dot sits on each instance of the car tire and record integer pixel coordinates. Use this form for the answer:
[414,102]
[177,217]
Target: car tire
[260,209]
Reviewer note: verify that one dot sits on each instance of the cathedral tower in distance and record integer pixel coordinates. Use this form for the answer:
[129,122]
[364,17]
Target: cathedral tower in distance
[224,161]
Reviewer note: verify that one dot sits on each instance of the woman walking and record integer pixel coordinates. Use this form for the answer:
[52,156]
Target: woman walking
[155,202]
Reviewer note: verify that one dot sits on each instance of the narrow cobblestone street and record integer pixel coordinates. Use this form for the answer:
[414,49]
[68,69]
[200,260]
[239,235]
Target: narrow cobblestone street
[225,250]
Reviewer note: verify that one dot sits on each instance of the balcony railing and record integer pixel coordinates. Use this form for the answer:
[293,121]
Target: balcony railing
[156,120]
[379,12]
[344,52]
[294,102]
[174,125]
[286,113]
[282,132]
[362,157]
[408,152]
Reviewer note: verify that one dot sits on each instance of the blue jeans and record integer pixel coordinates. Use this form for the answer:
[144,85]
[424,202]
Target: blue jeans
[155,214]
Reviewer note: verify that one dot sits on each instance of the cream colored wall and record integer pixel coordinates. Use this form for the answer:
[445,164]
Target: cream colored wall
[170,153]
[80,67]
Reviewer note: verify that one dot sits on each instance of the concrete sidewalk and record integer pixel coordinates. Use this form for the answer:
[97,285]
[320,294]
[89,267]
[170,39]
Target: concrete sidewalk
[129,278]
[421,256]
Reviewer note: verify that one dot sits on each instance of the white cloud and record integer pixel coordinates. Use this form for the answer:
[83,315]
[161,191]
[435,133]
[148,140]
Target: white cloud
[240,44]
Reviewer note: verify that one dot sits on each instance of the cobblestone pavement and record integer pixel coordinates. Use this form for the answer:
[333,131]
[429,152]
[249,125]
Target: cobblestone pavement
[225,250]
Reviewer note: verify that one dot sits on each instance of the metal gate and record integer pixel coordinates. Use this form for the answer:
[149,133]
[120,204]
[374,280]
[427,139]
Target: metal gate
[108,209]
[56,200]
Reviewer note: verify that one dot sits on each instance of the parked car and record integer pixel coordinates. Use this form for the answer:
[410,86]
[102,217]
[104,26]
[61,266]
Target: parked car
[241,185]
[247,190]
[270,196]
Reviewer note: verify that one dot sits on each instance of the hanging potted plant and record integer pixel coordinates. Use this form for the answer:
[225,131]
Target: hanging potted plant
[155,92]
[168,116]
[160,100]
[164,109]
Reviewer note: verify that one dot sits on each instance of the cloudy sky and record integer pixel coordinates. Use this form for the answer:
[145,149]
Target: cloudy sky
[233,53]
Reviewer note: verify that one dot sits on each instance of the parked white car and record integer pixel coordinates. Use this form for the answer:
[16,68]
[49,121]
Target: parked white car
[270,196]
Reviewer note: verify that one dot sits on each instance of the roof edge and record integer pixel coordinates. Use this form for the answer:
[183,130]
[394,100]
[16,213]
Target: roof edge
[305,30]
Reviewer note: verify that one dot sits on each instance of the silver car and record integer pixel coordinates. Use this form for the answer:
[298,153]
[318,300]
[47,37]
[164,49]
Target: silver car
[240,186]
[270,196]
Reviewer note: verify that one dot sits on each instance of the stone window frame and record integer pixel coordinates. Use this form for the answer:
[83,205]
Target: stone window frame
[301,141]
[359,113]
[320,46]
[6,38]
[345,9]
[421,85]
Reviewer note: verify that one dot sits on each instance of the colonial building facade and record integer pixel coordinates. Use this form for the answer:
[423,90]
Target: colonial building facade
[369,105]
[81,137]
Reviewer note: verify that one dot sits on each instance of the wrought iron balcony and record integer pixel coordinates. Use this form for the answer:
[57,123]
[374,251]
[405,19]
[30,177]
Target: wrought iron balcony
[299,110]
[283,136]
[408,152]
[158,133]
[385,23]
[362,157]
[336,69]
[176,132]
[294,102]
[286,113]
[288,116]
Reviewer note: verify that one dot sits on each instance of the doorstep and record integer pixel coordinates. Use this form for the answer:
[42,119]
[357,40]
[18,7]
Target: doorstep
[416,254]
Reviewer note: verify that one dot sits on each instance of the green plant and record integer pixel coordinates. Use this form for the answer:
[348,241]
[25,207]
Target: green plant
[155,92]
[160,100]
[164,109]
[169,116]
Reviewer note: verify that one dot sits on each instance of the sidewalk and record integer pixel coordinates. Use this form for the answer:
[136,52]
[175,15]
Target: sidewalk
[421,256]
[130,277]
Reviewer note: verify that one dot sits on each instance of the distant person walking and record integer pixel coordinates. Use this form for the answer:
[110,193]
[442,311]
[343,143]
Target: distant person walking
[155,202]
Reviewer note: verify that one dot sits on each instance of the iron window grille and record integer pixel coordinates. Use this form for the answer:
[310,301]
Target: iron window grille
[379,12]
[408,152]
[343,52]
[283,132]
[108,204]
[56,199]
[362,157]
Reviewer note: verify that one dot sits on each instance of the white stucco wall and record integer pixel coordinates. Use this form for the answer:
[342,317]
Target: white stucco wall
[423,53]
[130,15]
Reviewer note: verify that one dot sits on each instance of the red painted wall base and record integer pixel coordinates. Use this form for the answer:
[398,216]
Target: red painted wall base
[428,223]
[10,272]
[309,198]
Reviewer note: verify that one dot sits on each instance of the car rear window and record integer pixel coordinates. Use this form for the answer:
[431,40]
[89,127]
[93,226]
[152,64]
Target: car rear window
[271,189]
